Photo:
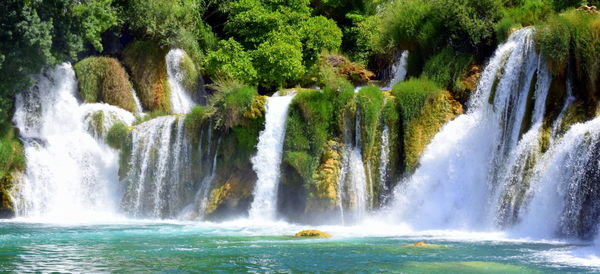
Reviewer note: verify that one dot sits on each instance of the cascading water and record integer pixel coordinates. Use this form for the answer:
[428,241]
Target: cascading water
[399,69]
[352,184]
[99,118]
[384,159]
[138,105]
[453,186]
[181,100]
[70,174]
[565,192]
[268,158]
[159,169]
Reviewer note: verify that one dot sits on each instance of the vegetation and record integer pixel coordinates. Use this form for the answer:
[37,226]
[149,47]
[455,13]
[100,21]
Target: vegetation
[116,135]
[146,61]
[103,79]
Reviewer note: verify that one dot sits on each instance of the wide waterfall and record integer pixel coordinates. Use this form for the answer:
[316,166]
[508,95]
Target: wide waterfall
[159,169]
[71,174]
[455,183]
[268,157]
[181,100]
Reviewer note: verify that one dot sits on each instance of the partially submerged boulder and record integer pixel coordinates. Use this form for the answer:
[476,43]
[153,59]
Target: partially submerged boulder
[312,234]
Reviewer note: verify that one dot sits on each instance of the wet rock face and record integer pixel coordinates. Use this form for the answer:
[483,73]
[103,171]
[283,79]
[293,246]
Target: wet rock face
[313,234]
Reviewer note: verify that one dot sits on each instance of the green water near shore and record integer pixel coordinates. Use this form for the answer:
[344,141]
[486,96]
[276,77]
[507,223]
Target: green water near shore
[201,247]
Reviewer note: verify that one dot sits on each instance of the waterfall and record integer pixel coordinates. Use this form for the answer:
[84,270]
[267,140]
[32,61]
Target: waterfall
[138,105]
[352,184]
[568,101]
[384,158]
[99,118]
[399,69]
[70,174]
[565,194]
[159,169]
[181,100]
[266,163]
[453,185]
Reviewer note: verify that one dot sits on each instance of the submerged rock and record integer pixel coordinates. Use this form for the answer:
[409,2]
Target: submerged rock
[313,234]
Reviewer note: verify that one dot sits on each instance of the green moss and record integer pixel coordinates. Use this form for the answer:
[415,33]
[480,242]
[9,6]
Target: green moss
[193,123]
[217,197]
[12,161]
[231,102]
[103,79]
[527,118]
[425,109]
[314,118]
[146,61]
[370,103]
[117,135]
[191,74]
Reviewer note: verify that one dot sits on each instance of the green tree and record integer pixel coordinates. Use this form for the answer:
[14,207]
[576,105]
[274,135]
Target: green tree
[279,62]
[230,60]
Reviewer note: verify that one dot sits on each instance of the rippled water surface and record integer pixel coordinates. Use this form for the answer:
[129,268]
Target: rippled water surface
[236,247]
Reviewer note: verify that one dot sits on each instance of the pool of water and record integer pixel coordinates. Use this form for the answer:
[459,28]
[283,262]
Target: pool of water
[141,246]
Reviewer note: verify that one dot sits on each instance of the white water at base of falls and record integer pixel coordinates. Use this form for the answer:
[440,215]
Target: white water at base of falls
[453,185]
[399,69]
[266,163]
[181,100]
[70,174]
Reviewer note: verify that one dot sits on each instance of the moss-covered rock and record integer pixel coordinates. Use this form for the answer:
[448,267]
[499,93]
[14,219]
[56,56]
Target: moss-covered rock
[146,61]
[190,72]
[117,135]
[312,234]
[12,162]
[103,79]
[355,73]
[324,195]
[437,108]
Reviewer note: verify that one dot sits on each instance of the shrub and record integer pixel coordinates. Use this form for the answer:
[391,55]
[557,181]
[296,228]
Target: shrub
[117,135]
[230,60]
[103,79]
[526,13]
[230,102]
[279,63]
[447,69]
[319,34]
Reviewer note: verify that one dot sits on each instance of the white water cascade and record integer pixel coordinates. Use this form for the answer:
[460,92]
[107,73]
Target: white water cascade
[565,193]
[399,69]
[181,100]
[138,105]
[384,159]
[159,169]
[71,174]
[268,158]
[453,186]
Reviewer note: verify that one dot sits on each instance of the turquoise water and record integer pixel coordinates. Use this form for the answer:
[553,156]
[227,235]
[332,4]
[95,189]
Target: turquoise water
[201,247]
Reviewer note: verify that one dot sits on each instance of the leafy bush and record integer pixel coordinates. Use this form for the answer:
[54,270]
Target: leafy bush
[279,63]
[526,13]
[230,60]
[117,135]
[447,69]
[103,79]
[191,75]
[230,102]
[319,34]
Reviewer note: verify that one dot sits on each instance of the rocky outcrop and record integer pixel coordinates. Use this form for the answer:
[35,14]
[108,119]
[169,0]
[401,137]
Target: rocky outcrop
[312,234]
[148,67]
[103,79]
